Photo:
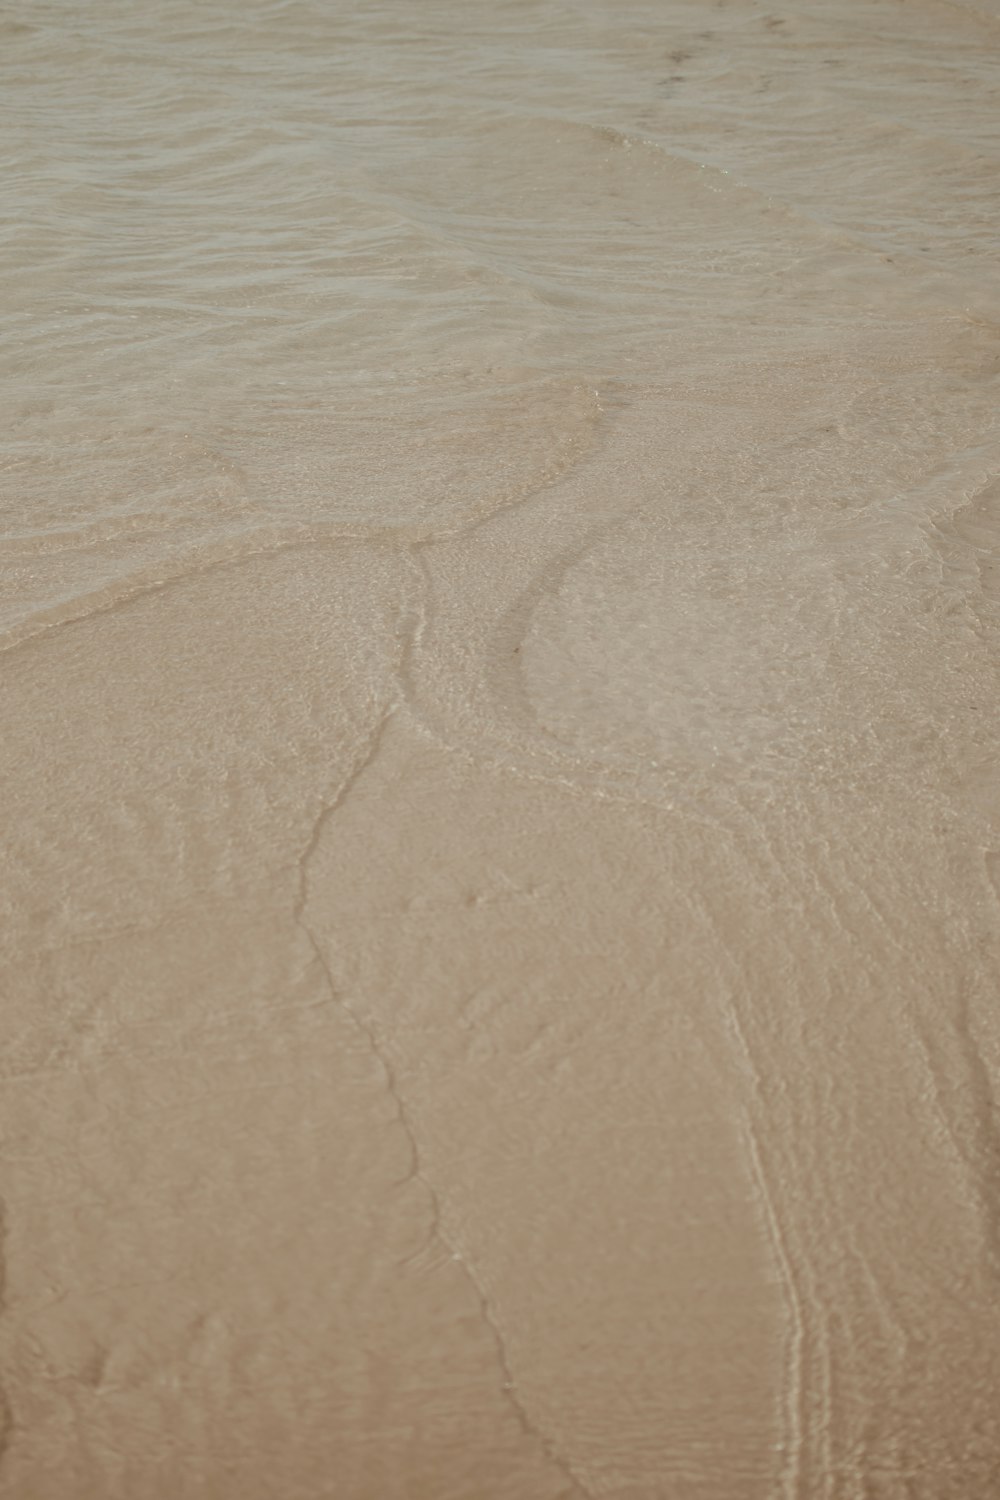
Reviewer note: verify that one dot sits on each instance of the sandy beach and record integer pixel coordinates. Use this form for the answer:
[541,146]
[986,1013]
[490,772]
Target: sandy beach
[500,894]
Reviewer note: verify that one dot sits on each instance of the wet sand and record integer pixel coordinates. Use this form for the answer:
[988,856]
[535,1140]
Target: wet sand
[501,886]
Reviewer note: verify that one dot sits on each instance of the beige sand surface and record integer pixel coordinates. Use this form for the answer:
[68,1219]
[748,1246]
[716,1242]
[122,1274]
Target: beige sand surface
[499,891]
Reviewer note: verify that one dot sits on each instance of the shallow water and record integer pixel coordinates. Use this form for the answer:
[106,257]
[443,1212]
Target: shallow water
[500,895]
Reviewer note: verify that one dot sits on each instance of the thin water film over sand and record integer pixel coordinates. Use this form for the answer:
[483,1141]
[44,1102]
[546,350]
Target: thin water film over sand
[502,822]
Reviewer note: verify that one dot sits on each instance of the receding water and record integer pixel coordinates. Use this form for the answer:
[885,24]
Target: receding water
[502,824]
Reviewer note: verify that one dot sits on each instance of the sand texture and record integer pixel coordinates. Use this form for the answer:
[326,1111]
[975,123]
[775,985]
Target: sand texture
[500,886]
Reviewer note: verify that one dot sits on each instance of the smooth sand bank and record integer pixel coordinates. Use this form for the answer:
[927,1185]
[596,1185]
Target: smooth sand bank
[396,1093]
